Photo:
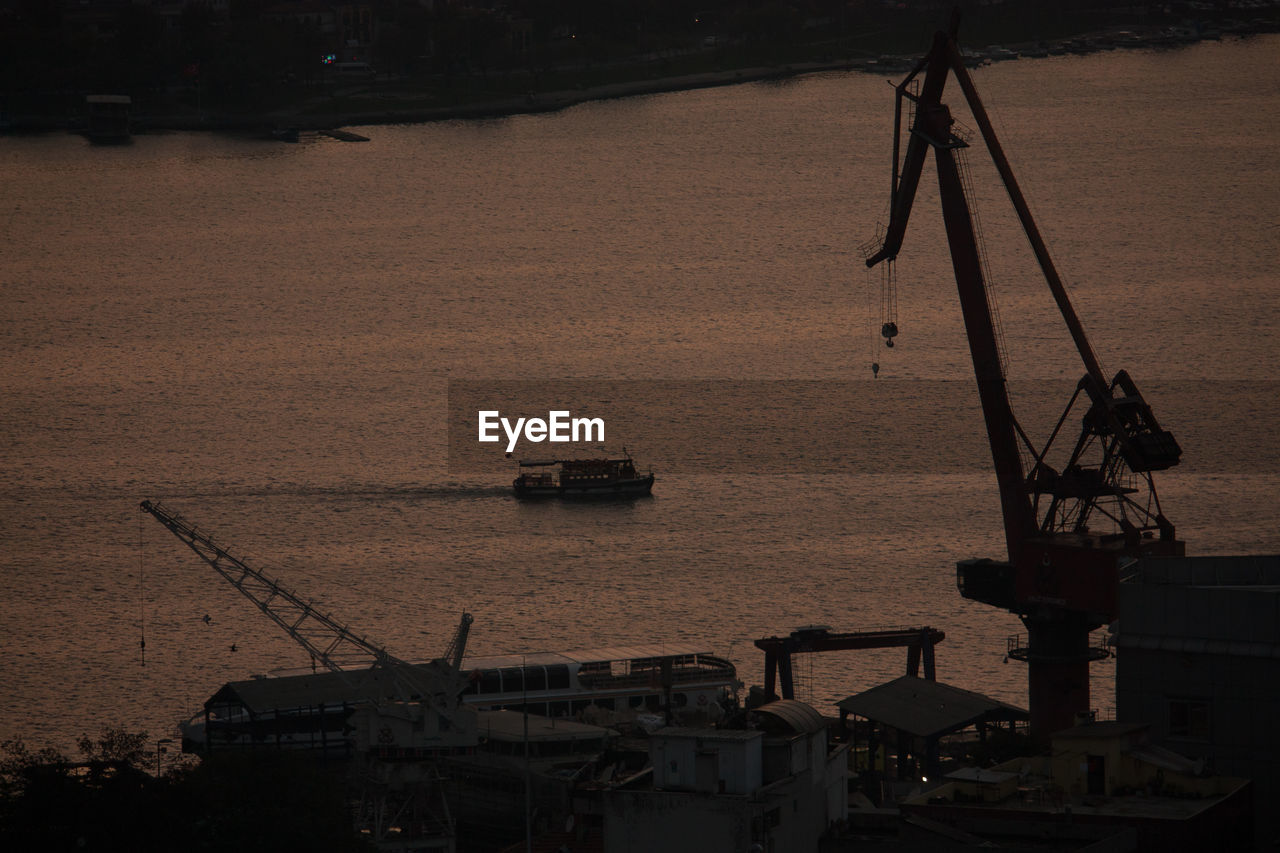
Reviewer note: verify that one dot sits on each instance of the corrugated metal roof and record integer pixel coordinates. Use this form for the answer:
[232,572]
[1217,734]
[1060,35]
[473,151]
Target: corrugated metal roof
[927,708]
[798,716]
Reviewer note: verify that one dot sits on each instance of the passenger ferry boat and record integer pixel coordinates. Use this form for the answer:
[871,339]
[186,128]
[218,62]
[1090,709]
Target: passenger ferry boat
[313,710]
[582,478]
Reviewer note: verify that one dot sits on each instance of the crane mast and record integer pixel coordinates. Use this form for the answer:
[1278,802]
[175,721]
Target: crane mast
[1061,574]
[330,643]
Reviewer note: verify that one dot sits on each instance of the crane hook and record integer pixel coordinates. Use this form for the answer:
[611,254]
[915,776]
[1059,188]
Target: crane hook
[889,331]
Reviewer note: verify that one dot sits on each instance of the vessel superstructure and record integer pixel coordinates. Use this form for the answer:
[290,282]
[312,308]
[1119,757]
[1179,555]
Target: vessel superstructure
[604,477]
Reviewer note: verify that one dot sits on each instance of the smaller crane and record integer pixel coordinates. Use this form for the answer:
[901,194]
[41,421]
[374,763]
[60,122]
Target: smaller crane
[331,643]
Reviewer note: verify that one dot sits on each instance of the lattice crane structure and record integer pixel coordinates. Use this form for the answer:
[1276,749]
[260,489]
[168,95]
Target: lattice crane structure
[1062,572]
[330,643]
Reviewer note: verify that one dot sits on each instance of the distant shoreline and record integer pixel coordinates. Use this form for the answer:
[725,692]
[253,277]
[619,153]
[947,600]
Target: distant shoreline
[542,102]
[545,102]
[297,119]
[533,103]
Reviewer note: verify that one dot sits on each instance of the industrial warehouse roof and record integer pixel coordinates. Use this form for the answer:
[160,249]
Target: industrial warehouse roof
[927,708]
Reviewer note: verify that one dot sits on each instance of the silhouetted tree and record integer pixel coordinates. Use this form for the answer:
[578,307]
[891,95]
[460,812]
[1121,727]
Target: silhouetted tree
[246,802]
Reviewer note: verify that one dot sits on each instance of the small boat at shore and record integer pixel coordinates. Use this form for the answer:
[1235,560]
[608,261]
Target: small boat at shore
[582,478]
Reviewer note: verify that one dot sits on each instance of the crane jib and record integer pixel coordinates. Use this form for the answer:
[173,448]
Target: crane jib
[329,642]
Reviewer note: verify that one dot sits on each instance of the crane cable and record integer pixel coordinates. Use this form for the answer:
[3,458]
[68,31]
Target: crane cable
[887,315]
[142,609]
[889,301]
[871,329]
[988,279]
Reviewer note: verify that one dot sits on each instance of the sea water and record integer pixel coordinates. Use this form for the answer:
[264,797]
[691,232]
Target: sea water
[265,336]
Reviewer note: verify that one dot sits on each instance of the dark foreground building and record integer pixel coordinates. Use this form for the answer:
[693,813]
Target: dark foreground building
[1198,657]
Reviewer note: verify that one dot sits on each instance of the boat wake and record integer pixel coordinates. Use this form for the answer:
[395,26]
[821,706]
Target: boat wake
[369,491]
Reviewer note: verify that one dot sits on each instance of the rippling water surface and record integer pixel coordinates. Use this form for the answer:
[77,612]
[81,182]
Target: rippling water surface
[262,335]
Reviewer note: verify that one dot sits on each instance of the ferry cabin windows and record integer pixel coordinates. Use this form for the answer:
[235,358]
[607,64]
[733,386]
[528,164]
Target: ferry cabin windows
[514,679]
[561,708]
[490,682]
[650,702]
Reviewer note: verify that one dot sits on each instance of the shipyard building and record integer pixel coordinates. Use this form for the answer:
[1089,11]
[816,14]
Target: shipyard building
[1198,657]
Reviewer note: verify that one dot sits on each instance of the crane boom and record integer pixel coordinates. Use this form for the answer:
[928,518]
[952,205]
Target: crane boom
[331,643]
[945,57]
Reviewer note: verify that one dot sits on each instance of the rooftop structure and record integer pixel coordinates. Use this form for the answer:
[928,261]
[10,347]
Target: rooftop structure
[913,715]
[779,784]
[1105,777]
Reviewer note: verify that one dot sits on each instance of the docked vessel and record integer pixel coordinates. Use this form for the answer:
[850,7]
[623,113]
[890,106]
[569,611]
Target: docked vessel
[606,686]
[582,478]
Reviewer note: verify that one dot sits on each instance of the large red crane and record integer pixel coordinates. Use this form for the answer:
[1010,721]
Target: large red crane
[1070,527]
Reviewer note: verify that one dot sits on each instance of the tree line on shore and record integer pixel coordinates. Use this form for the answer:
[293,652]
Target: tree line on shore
[112,796]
